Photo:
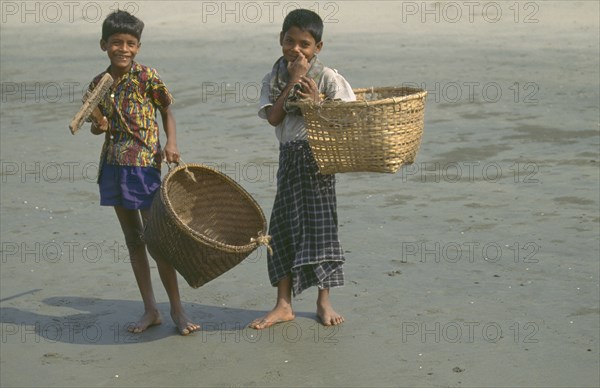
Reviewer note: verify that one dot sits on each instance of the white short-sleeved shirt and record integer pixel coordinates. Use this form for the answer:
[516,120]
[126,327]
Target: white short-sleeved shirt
[332,84]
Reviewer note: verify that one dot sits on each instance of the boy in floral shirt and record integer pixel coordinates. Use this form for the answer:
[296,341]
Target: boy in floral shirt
[131,157]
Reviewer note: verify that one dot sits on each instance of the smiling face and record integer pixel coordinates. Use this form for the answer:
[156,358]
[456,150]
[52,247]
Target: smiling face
[121,50]
[295,41]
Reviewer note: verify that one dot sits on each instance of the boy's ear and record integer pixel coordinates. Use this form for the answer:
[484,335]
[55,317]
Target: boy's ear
[102,44]
[319,46]
[281,35]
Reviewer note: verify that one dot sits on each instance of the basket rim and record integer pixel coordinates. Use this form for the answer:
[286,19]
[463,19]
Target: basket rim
[200,237]
[414,93]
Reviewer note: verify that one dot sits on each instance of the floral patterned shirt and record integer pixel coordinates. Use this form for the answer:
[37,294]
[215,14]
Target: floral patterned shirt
[130,106]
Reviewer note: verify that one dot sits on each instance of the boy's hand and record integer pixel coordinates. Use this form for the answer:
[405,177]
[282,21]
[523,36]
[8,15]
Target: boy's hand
[171,153]
[309,90]
[99,122]
[99,127]
[298,68]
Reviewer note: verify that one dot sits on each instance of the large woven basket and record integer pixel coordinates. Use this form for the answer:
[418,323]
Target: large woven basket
[379,132]
[204,223]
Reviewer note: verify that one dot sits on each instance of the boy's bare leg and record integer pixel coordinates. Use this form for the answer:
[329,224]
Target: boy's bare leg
[325,311]
[132,229]
[168,276]
[282,312]
[169,280]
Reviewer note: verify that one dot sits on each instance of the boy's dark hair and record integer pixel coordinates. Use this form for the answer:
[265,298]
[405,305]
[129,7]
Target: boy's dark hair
[306,20]
[122,22]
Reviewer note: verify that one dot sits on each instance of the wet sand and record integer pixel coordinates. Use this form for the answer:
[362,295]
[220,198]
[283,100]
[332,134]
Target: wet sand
[475,266]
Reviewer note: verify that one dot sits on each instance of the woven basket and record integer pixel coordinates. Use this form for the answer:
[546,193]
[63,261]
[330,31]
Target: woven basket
[203,223]
[379,132]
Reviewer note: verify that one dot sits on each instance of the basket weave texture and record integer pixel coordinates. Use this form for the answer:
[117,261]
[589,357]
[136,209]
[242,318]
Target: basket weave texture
[379,132]
[203,223]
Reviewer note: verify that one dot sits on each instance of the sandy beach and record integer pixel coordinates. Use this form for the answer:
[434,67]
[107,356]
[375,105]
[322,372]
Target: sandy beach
[477,266]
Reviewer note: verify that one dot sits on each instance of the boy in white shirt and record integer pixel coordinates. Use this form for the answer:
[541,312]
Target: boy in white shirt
[304,224]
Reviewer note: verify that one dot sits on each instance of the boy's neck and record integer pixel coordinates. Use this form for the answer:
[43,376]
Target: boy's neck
[117,73]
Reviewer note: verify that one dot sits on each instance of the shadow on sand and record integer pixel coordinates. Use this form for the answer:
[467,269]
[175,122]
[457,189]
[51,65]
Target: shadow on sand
[78,320]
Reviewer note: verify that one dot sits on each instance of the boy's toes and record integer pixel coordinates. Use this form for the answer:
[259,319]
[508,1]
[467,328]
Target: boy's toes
[184,325]
[189,328]
[150,318]
[330,319]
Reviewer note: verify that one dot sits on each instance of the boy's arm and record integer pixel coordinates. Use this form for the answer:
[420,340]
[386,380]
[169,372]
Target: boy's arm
[171,152]
[297,71]
[276,113]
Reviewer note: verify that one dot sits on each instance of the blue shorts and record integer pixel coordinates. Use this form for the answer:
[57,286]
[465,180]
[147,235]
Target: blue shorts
[127,186]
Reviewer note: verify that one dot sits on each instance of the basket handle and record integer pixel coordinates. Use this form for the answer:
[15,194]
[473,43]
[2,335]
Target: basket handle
[180,162]
[176,164]
[263,239]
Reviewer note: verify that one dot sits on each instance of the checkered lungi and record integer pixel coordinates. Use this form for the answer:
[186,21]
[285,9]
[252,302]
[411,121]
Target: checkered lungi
[304,224]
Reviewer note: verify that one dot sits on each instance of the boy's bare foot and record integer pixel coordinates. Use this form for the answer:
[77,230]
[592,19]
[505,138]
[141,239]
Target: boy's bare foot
[278,315]
[325,312]
[184,324]
[328,316]
[150,318]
